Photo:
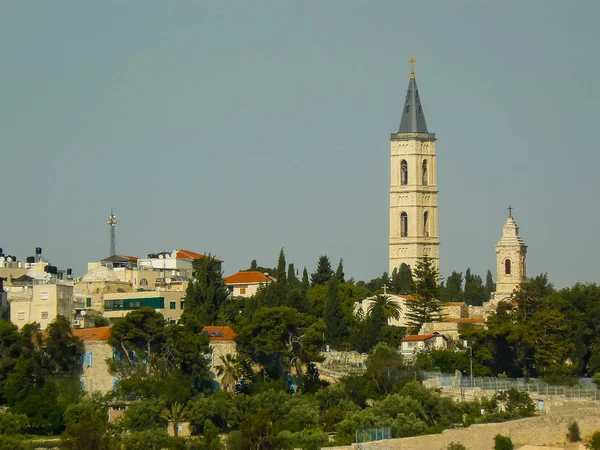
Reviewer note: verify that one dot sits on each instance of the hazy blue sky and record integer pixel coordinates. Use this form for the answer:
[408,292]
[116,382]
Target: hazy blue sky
[239,127]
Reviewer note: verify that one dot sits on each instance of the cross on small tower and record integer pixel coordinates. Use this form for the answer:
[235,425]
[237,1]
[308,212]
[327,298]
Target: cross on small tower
[412,62]
[510,208]
[385,286]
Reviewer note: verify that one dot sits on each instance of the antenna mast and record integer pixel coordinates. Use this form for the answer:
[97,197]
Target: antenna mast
[112,223]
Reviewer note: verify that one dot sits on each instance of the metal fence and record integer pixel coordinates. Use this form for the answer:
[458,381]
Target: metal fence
[584,389]
[373,434]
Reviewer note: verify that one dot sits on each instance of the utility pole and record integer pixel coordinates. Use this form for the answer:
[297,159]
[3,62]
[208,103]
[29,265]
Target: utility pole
[112,223]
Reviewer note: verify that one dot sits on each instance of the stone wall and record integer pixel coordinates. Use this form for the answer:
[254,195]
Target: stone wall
[541,430]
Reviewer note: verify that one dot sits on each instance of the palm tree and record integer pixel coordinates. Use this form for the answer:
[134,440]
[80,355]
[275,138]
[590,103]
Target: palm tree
[229,370]
[387,307]
[174,414]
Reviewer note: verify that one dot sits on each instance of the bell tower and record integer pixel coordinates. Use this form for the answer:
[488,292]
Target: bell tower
[510,259]
[413,186]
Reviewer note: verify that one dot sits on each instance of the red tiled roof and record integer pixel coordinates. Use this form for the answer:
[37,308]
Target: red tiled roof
[92,334]
[188,254]
[464,319]
[421,337]
[248,277]
[219,333]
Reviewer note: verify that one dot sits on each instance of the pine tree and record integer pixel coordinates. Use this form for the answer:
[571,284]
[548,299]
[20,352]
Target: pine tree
[426,307]
[402,280]
[281,267]
[335,320]
[453,291]
[323,272]
[339,273]
[490,286]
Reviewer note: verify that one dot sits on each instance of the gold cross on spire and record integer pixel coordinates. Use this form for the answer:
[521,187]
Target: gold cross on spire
[412,62]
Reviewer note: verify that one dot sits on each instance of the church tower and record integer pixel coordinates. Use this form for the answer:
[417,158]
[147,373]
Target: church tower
[413,186]
[510,260]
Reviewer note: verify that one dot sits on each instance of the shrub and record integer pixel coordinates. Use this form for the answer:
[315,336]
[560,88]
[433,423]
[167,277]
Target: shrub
[11,424]
[455,446]
[594,443]
[573,433]
[503,443]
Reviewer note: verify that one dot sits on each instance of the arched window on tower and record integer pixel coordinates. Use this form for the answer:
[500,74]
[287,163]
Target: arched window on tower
[403,225]
[426,224]
[424,173]
[507,267]
[403,172]
[143,282]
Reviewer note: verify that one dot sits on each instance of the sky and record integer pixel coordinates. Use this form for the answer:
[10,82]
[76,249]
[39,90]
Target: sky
[236,128]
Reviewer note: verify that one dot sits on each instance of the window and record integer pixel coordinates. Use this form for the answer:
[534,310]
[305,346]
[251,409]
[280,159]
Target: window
[173,305]
[44,314]
[21,316]
[182,304]
[507,267]
[424,174]
[143,282]
[44,295]
[409,344]
[88,359]
[242,291]
[88,302]
[426,224]
[403,172]
[407,108]
[403,225]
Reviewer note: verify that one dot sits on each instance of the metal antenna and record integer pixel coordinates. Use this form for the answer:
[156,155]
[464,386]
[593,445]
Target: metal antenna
[112,223]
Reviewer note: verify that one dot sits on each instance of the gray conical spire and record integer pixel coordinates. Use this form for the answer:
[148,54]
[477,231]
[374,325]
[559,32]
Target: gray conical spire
[413,119]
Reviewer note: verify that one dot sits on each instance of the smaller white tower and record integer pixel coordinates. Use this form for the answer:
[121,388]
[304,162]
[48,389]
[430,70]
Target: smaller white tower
[510,259]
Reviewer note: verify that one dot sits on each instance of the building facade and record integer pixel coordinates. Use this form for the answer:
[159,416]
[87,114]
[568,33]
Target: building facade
[413,187]
[246,284]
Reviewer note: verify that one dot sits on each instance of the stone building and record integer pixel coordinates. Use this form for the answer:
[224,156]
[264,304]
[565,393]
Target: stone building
[40,299]
[510,260]
[413,187]
[222,343]
[95,376]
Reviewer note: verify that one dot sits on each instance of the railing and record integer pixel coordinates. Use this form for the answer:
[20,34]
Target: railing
[585,389]
[373,434]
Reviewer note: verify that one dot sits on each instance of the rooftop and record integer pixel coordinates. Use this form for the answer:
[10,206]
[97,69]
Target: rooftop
[248,277]
[219,333]
[92,334]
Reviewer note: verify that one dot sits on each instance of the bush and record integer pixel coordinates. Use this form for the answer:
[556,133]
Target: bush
[503,443]
[594,443]
[10,443]
[455,446]
[573,433]
[11,424]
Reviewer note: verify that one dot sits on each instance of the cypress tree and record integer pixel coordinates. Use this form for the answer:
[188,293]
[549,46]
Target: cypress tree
[402,280]
[454,290]
[291,273]
[206,292]
[305,283]
[490,286]
[474,293]
[281,267]
[339,273]
[335,321]
[323,272]
[253,265]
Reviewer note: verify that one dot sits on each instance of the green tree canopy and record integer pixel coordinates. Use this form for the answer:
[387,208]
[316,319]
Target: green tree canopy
[206,292]
[323,272]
